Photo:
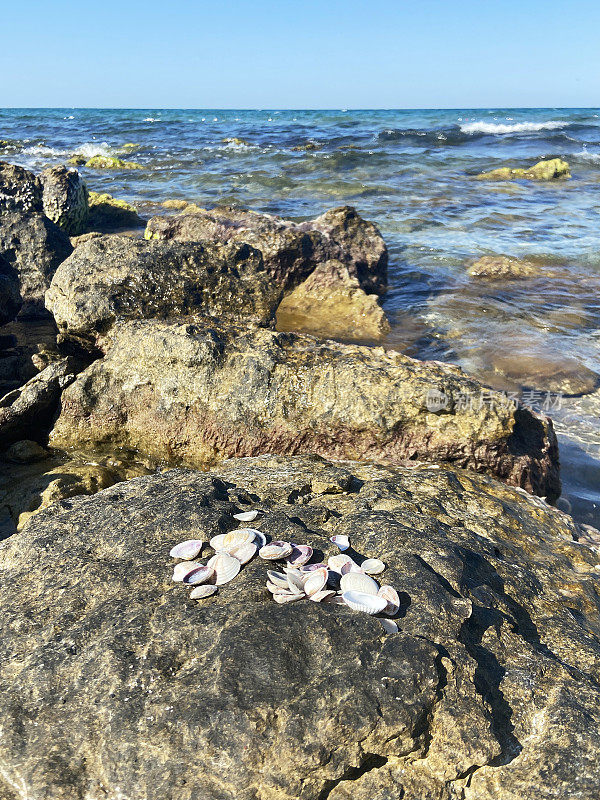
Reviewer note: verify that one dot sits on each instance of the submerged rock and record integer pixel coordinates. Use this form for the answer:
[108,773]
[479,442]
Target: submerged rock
[112,277]
[196,395]
[20,190]
[111,162]
[542,171]
[65,199]
[489,690]
[176,205]
[291,250]
[107,213]
[502,267]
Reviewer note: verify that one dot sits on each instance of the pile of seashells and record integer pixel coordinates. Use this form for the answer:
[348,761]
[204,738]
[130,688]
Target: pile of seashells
[342,580]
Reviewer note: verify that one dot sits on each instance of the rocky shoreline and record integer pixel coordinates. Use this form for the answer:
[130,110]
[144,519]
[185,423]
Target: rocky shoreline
[218,363]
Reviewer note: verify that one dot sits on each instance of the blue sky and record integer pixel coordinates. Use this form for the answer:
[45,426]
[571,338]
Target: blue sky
[327,54]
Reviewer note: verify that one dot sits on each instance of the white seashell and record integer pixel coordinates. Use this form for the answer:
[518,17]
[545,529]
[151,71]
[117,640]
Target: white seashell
[341,541]
[200,592]
[200,574]
[217,541]
[322,596]
[336,600]
[275,550]
[316,581]
[226,567]
[337,562]
[390,595]
[352,566]
[278,578]
[295,582]
[246,516]
[367,603]
[236,538]
[372,566]
[273,588]
[244,552]
[358,582]
[389,626]
[259,538]
[313,567]
[288,597]
[300,555]
[187,550]
[183,568]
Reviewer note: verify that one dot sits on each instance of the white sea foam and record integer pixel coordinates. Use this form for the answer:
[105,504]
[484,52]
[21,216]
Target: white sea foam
[585,155]
[91,149]
[517,127]
[151,119]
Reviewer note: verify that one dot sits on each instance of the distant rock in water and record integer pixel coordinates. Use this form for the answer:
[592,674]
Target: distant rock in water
[20,190]
[502,267]
[65,199]
[542,171]
[111,162]
[116,684]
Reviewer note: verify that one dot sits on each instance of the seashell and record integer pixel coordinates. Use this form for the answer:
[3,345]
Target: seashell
[199,574]
[244,552]
[372,566]
[352,566]
[273,588]
[246,516]
[236,538]
[341,541]
[367,603]
[187,550]
[278,578]
[226,567]
[313,567]
[288,597]
[315,581]
[390,595]
[336,600]
[300,555]
[389,626]
[200,592]
[260,538]
[183,568]
[217,541]
[275,550]
[337,562]
[322,596]
[358,582]
[295,582]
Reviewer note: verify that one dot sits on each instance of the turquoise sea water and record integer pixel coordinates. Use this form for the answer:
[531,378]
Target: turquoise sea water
[411,172]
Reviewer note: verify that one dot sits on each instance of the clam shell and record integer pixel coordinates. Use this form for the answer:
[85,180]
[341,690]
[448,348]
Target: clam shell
[259,538]
[217,541]
[288,597]
[246,516]
[273,588]
[390,595]
[372,566]
[367,603]
[313,567]
[315,581]
[244,552]
[278,578]
[337,562]
[295,582]
[322,596]
[300,555]
[351,566]
[187,550]
[201,574]
[358,582]
[275,551]
[200,592]
[226,567]
[183,568]
[389,626]
[341,541]
[336,600]
[236,538]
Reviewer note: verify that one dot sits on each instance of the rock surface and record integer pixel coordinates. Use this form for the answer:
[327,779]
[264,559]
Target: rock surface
[107,213]
[65,199]
[20,190]
[542,171]
[110,162]
[113,277]
[35,247]
[191,394]
[291,250]
[115,684]
[10,294]
[503,267]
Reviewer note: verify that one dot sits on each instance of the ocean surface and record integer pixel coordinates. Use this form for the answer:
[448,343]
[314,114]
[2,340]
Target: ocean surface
[412,172]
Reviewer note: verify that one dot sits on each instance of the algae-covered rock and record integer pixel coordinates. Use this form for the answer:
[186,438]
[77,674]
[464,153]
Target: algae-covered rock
[175,205]
[65,199]
[197,394]
[503,267]
[236,141]
[20,189]
[111,162]
[108,213]
[115,684]
[542,171]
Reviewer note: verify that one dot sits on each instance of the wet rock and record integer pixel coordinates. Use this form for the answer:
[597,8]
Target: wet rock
[30,347]
[111,162]
[331,303]
[107,213]
[197,395]
[34,246]
[547,372]
[20,190]
[111,277]
[65,199]
[175,205]
[10,294]
[290,250]
[25,452]
[489,690]
[502,267]
[542,171]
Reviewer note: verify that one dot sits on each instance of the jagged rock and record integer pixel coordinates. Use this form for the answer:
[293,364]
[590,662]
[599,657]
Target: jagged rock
[65,199]
[10,295]
[542,171]
[116,684]
[34,246]
[331,303]
[107,213]
[111,162]
[291,250]
[20,190]
[502,267]
[191,394]
[112,277]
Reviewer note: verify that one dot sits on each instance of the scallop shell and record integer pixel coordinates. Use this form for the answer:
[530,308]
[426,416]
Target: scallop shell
[367,603]
[341,541]
[200,592]
[322,596]
[275,550]
[226,567]
[246,516]
[187,550]
[316,581]
[244,552]
[358,582]
[288,597]
[201,574]
[372,566]
[389,626]
[236,538]
[278,578]
[337,562]
[300,555]
[390,595]
[183,568]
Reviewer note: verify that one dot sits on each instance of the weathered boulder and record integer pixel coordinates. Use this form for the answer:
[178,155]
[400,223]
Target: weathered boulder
[20,190]
[331,303]
[542,171]
[291,250]
[10,295]
[197,394]
[34,246]
[113,277]
[107,213]
[65,199]
[502,267]
[115,684]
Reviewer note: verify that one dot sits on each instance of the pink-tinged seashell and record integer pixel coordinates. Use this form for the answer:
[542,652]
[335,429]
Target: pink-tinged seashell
[288,597]
[244,552]
[322,596]
[187,550]
[372,566]
[246,516]
[183,568]
[390,595]
[389,626]
[338,562]
[336,600]
[300,555]
[226,567]
[274,551]
[367,603]
[313,567]
[341,541]
[200,592]
[201,574]
[358,582]
[351,566]
[316,581]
